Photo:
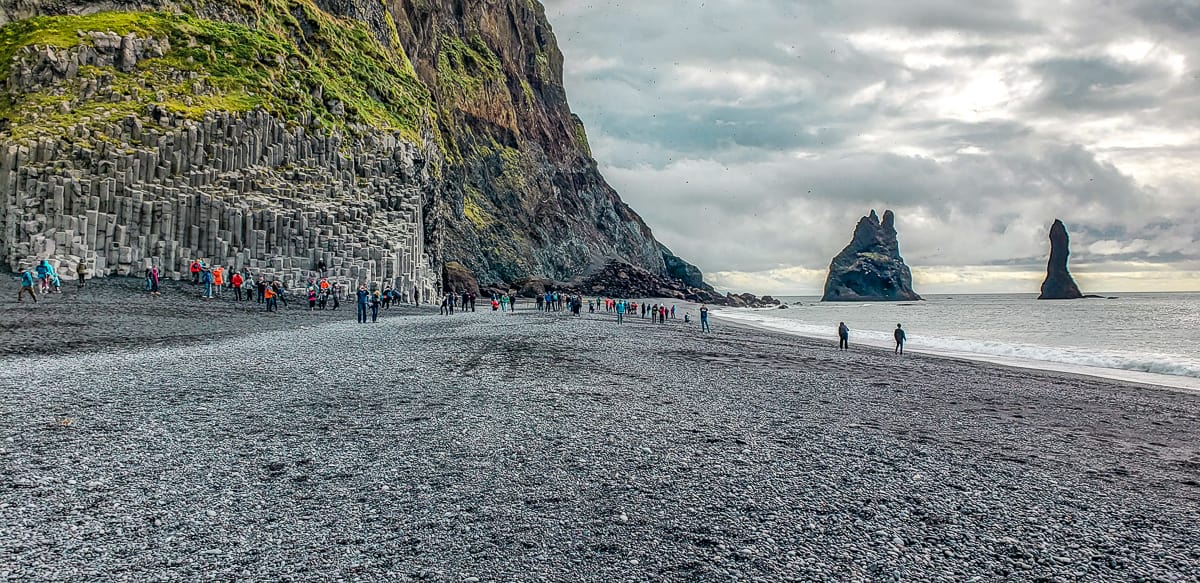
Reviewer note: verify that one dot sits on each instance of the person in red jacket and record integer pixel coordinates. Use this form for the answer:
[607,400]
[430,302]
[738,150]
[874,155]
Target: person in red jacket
[195,269]
[236,281]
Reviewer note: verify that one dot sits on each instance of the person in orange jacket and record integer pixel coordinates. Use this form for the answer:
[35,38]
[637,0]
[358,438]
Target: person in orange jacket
[269,295]
[218,280]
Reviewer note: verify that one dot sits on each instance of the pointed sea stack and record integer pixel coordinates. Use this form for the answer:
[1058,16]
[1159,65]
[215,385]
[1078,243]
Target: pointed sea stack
[1059,284]
[870,268]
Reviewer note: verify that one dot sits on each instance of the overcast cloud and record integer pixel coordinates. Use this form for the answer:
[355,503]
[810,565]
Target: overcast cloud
[751,136]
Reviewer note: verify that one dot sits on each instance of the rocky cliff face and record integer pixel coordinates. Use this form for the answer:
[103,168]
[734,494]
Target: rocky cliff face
[1059,285]
[441,118]
[870,268]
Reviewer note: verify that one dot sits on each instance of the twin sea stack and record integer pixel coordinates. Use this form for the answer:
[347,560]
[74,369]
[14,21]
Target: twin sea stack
[870,268]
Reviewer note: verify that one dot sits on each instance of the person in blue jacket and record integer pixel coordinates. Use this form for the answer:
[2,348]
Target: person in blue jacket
[43,275]
[26,286]
[363,300]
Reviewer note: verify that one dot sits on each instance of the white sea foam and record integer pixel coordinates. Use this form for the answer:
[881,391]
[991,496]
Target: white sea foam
[1145,367]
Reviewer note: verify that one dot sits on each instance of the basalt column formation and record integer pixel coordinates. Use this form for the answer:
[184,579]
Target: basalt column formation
[384,138]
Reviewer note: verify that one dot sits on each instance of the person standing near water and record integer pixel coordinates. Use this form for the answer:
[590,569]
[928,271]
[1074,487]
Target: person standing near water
[620,312]
[900,338]
[843,336]
[704,318]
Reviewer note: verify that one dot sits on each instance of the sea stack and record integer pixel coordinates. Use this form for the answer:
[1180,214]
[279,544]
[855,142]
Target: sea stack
[1059,284]
[870,268]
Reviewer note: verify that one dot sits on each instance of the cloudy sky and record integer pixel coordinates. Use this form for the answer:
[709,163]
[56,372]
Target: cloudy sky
[752,135]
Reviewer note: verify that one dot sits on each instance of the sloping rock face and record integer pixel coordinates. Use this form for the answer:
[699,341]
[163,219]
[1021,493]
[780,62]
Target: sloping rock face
[450,113]
[1059,285]
[618,279]
[870,268]
[685,272]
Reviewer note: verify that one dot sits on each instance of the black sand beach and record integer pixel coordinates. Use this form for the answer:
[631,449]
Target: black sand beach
[176,439]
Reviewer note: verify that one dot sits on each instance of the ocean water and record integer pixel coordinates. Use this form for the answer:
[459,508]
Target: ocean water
[1145,338]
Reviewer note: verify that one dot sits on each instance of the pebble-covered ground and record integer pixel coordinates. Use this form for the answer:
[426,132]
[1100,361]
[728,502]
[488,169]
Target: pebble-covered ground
[488,447]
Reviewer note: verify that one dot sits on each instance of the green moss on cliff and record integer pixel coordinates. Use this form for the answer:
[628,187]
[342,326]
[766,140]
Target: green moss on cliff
[581,138]
[465,68]
[296,59]
[473,208]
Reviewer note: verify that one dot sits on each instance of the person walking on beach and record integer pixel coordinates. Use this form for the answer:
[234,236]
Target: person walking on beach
[81,273]
[900,338]
[843,336]
[153,280]
[704,319]
[27,283]
[375,301]
[620,312]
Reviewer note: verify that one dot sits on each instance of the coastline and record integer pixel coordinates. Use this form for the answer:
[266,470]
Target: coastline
[1120,376]
[547,447]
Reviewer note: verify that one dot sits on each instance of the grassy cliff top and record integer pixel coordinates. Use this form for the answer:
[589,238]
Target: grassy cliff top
[284,60]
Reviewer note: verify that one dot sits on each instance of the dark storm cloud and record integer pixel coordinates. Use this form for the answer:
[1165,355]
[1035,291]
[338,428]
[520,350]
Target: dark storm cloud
[752,135]
[1094,83]
[1180,15]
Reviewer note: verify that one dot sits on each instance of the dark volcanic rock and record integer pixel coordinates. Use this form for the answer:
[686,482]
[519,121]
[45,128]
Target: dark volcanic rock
[491,166]
[1059,284]
[870,268]
[457,278]
[621,280]
[683,271]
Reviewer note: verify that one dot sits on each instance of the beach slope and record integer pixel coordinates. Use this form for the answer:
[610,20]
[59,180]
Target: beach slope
[544,447]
